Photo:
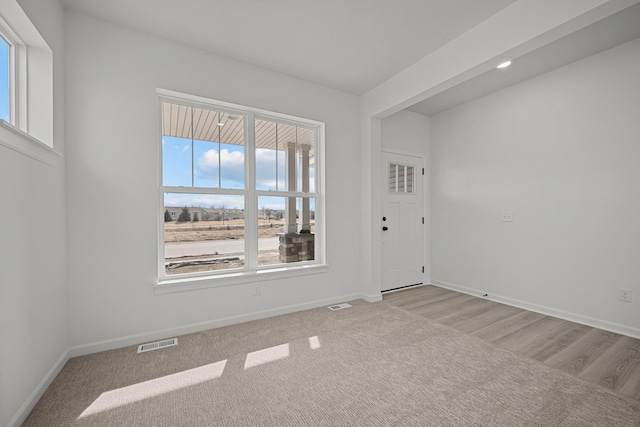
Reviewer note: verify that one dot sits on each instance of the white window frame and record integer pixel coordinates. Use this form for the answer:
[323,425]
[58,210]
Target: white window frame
[17,61]
[29,130]
[251,272]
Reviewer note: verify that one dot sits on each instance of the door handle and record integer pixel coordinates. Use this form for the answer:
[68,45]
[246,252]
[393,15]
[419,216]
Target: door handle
[385,228]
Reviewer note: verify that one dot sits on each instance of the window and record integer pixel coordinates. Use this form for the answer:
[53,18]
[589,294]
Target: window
[240,190]
[26,92]
[5,78]
[401,178]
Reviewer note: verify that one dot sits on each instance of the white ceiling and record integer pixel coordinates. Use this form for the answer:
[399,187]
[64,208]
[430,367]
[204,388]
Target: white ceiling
[612,31]
[351,45]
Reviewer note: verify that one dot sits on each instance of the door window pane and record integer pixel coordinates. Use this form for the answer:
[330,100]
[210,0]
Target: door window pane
[409,176]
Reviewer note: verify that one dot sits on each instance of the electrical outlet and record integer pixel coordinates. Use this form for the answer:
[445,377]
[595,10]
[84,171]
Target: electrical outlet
[257,290]
[624,294]
[507,216]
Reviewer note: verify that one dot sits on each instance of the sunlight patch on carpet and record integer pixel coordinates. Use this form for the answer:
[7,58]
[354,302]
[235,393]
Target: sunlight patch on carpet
[152,388]
[314,343]
[266,355]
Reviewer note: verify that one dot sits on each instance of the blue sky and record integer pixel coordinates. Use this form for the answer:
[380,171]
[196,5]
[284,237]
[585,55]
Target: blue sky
[207,156]
[177,158]
[4,80]
[176,167]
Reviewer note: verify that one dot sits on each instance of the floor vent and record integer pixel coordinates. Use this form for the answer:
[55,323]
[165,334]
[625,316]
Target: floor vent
[156,345]
[339,306]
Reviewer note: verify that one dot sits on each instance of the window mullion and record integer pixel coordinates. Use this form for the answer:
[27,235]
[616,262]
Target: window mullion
[202,190]
[251,198]
[286,193]
[193,180]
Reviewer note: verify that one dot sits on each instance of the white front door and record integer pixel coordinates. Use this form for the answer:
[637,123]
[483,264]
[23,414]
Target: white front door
[402,221]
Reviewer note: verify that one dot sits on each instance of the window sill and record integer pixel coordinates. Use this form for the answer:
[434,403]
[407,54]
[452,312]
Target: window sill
[236,278]
[23,143]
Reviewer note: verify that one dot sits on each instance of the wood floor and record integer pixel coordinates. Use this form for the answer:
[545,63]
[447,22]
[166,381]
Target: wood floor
[602,357]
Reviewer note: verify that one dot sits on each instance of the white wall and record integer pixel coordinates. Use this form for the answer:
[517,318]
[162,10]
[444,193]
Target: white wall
[562,152]
[406,131]
[112,130]
[33,290]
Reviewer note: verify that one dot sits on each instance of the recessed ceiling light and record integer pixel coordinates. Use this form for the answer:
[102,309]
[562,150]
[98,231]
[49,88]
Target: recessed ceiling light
[220,124]
[505,64]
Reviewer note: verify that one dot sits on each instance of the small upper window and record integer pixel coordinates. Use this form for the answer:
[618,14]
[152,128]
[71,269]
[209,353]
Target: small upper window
[26,92]
[401,178]
[5,79]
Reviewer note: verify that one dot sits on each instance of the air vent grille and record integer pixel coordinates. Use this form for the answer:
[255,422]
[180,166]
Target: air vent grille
[339,306]
[156,345]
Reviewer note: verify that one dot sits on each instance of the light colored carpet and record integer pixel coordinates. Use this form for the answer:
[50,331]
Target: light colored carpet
[370,365]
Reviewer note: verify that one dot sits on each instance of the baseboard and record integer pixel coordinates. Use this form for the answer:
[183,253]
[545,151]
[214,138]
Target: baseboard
[549,311]
[371,297]
[202,326]
[37,393]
